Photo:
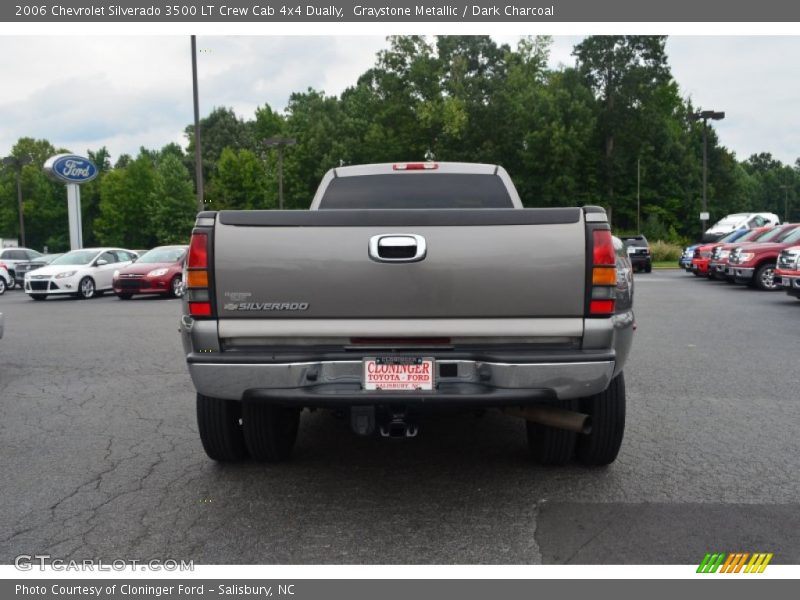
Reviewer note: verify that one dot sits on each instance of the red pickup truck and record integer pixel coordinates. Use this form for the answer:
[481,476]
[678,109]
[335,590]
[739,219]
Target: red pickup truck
[787,273]
[719,252]
[754,263]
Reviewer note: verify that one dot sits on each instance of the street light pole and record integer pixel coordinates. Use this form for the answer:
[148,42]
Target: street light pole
[638,197]
[280,143]
[704,116]
[17,164]
[198,155]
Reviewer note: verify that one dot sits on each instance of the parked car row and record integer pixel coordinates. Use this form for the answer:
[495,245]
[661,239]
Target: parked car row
[764,258]
[90,272]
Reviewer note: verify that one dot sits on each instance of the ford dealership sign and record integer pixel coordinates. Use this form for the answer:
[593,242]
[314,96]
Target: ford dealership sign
[69,168]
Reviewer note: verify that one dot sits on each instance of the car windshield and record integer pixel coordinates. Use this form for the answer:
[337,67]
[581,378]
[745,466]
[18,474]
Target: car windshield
[791,236]
[639,241]
[166,254]
[728,221]
[776,235]
[735,235]
[755,235]
[76,257]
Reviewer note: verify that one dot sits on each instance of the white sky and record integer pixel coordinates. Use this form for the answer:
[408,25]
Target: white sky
[130,91]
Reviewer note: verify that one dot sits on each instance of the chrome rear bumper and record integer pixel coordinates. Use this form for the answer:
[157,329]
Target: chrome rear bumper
[332,382]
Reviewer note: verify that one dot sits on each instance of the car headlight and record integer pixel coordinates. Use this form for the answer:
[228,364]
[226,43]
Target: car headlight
[65,274]
[746,257]
[116,274]
[157,272]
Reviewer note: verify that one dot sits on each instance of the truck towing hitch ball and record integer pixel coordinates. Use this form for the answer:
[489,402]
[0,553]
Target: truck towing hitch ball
[364,422]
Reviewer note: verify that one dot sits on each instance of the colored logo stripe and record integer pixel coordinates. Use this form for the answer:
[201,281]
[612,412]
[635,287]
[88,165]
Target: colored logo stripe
[734,562]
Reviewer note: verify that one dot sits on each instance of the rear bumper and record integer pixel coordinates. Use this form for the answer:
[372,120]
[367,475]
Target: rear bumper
[338,382]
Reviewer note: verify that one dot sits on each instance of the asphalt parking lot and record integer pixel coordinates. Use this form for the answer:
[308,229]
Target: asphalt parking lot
[101,458]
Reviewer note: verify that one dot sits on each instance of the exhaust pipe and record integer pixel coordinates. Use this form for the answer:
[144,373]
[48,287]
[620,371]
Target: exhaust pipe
[552,416]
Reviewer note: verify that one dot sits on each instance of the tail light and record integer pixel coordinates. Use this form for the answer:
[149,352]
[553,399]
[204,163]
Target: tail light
[604,274]
[197,293]
[198,251]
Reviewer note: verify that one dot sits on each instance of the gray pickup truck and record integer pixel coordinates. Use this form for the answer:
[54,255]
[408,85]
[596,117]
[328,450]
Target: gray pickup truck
[408,288]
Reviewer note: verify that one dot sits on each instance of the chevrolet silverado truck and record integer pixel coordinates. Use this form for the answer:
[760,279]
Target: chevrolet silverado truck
[408,288]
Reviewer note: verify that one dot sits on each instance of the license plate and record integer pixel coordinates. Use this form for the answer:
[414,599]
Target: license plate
[398,373]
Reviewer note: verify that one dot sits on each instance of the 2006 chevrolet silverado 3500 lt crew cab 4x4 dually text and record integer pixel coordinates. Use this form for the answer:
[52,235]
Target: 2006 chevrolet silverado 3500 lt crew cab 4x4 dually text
[408,288]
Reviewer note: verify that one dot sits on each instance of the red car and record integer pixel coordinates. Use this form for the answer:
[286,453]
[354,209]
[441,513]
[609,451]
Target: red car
[754,263]
[701,261]
[720,254]
[157,271]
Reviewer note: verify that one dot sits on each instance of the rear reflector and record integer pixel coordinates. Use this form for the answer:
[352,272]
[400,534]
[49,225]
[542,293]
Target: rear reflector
[197,295]
[601,307]
[603,248]
[604,276]
[200,309]
[197,279]
[198,251]
[429,166]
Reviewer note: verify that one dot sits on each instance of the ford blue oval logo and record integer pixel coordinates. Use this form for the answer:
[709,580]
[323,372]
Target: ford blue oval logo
[70,168]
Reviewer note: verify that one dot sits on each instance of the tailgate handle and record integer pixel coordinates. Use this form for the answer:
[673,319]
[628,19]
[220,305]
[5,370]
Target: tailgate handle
[397,247]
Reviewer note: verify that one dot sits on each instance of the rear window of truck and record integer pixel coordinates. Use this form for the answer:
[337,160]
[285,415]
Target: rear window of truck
[417,190]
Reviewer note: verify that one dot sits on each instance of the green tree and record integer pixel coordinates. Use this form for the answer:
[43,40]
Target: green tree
[173,202]
[239,182]
[126,202]
[624,72]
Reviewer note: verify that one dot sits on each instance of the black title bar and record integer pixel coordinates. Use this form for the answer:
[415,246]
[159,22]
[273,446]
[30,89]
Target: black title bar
[394,11]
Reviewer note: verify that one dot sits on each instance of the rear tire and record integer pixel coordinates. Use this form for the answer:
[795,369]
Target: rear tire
[607,410]
[270,431]
[549,445]
[220,431]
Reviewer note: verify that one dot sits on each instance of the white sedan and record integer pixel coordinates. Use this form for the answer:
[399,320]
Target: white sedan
[83,273]
[6,282]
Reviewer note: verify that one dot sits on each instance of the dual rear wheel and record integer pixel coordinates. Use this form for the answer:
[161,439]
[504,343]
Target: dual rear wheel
[551,446]
[231,430]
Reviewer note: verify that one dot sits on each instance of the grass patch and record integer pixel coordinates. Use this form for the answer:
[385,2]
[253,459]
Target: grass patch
[665,264]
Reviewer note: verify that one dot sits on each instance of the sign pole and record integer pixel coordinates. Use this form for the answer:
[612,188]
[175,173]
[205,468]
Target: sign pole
[72,171]
[74,213]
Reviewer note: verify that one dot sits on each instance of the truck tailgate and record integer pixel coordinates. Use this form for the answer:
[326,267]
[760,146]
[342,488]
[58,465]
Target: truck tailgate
[479,263]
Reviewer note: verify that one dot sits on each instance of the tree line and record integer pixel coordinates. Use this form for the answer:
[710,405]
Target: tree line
[568,136]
